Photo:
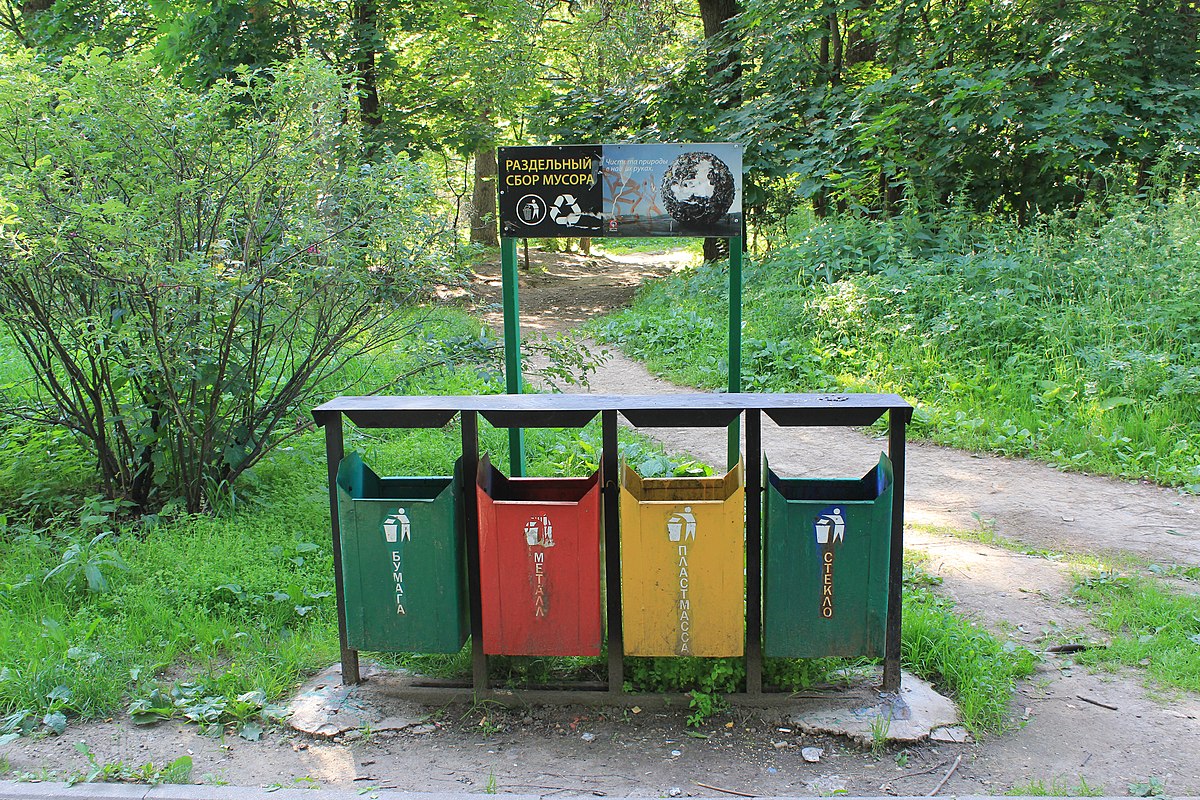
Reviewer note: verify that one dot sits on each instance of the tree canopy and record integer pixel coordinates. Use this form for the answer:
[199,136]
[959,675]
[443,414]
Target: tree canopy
[852,104]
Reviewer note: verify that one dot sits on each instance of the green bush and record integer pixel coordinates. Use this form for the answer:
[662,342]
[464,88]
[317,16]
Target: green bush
[183,270]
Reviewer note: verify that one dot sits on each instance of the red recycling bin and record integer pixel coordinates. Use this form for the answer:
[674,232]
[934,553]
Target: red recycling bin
[539,556]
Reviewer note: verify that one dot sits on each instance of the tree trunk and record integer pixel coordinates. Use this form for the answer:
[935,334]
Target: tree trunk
[821,199]
[859,48]
[724,72]
[715,249]
[483,200]
[724,53]
[366,44]
[835,41]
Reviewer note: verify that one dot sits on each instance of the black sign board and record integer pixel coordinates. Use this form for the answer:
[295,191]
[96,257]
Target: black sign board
[621,190]
[550,191]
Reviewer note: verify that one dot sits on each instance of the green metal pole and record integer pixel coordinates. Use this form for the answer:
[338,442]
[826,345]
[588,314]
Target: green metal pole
[512,347]
[735,339]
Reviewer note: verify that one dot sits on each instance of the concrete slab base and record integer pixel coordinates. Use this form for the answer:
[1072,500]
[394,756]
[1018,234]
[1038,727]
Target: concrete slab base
[869,716]
[325,708]
[393,700]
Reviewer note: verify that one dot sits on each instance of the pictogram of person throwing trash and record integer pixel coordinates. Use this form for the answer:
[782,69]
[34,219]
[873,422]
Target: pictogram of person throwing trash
[681,525]
[397,527]
[539,531]
[830,526]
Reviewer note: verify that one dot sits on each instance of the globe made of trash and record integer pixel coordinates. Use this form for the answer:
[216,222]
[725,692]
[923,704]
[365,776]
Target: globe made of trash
[697,189]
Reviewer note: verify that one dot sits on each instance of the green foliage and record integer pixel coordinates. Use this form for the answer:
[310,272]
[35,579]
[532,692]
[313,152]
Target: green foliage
[882,107]
[453,59]
[177,771]
[704,705]
[1151,626]
[57,27]
[797,674]
[212,40]
[938,645]
[704,679]
[215,620]
[78,654]
[1151,787]
[183,271]
[707,675]
[207,705]
[959,655]
[1056,788]
[650,461]
[43,471]
[1054,341]
[876,107]
[87,560]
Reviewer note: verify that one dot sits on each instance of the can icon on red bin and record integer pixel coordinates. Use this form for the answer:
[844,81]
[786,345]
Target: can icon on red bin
[539,556]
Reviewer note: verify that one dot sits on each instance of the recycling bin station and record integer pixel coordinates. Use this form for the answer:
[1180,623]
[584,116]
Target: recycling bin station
[615,562]
[682,565]
[539,554]
[826,553]
[402,560]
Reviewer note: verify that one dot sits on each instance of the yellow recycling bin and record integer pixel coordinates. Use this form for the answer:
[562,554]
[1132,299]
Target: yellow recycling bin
[683,576]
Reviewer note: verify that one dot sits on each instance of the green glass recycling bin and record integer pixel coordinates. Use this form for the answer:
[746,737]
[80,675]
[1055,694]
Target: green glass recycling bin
[403,560]
[826,548]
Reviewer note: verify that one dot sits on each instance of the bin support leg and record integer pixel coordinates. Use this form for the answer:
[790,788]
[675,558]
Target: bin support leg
[735,339]
[470,451]
[754,662]
[612,551]
[891,649]
[512,347]
[334,451]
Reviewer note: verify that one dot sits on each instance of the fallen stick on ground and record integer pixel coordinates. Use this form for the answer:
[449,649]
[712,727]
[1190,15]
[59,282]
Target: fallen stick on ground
[1096,702]
[946,777]
[1075,648]
[726,791]
[934,768]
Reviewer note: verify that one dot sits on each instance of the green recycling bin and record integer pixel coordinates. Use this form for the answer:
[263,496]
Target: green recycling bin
[826,550]
[403,560]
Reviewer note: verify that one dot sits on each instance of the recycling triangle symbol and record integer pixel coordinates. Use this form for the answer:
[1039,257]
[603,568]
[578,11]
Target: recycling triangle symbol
[565,210]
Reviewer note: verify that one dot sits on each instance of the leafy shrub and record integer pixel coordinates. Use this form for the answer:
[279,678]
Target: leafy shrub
[182,271]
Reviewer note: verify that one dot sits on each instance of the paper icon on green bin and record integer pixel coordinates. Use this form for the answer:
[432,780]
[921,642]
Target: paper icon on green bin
[397,527]
[681,525]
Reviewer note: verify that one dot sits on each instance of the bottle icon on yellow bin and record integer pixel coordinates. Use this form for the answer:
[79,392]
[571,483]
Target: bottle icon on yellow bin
[681,525]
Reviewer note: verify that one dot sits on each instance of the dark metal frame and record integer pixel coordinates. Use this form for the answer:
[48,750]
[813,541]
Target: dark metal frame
[665,411]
